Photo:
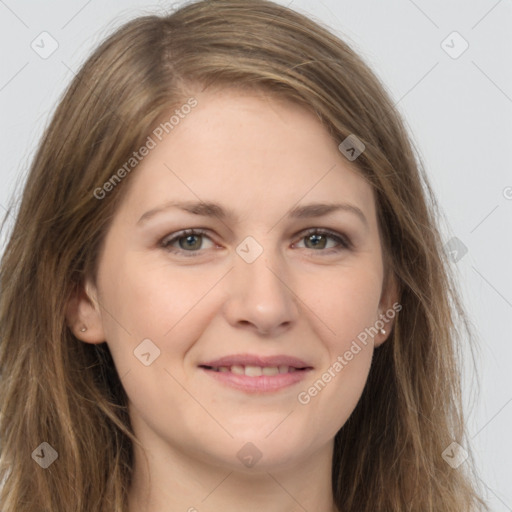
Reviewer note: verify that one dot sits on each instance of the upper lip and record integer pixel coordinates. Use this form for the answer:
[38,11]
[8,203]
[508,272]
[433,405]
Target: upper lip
[255,360]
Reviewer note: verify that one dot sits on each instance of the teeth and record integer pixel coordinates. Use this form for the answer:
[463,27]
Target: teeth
[255,371]
[239,370]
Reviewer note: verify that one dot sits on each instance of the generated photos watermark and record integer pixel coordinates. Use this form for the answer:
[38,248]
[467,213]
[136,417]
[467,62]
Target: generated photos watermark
[304,397]
[152,141]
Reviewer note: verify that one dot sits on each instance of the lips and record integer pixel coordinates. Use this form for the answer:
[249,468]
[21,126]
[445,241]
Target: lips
[271,364]
[253,373]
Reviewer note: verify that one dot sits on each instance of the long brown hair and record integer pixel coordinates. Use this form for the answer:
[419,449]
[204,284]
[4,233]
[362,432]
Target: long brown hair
[59,390]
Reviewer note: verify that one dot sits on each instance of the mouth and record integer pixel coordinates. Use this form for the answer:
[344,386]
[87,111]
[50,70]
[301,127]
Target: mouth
[252,370]
[257,374]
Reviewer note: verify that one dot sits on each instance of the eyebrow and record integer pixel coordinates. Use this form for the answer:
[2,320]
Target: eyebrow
[209,209]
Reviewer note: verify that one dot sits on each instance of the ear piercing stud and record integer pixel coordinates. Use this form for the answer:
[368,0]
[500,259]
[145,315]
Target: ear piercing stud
[83,329]
[383,331]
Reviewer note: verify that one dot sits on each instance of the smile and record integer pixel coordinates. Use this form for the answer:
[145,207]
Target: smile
[255,371]
[255,374]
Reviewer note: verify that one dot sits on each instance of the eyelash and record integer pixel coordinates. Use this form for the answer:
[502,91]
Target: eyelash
[342,240]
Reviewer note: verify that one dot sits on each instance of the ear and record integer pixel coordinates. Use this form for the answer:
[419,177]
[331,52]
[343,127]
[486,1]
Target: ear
[388,307]
[83,314]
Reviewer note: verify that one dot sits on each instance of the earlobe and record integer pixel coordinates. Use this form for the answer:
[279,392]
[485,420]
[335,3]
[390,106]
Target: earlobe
[84,316]
[382,335]
[388,309]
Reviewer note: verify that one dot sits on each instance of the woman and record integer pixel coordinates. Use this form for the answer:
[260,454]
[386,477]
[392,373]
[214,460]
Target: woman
[226,288]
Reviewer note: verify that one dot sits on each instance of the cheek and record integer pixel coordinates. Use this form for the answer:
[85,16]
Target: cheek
[347,308]
[167,305]
[153,302]
[347,303]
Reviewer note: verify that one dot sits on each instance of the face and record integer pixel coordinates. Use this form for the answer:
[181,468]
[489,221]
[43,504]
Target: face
[247,328]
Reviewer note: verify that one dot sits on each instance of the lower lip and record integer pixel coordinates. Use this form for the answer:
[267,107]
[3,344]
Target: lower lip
[260,384]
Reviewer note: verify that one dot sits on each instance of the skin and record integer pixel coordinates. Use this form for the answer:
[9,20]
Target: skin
[260,157]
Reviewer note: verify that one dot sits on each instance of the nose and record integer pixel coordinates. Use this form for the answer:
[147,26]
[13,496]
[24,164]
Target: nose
[260,297]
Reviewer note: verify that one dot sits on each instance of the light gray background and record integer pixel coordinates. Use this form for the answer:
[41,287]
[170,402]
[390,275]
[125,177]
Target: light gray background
[459,111]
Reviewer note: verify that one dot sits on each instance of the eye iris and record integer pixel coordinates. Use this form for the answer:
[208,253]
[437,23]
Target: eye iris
[315,238]
[190,238]
[193,241]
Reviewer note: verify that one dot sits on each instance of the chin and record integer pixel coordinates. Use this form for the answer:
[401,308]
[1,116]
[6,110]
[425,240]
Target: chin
[258,451]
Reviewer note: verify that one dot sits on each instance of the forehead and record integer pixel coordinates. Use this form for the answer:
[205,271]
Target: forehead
[252,152]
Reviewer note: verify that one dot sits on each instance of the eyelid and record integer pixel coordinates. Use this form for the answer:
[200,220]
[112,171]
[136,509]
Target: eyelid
[344,242]
[166,242]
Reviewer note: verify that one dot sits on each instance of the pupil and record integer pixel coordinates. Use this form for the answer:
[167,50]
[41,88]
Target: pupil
[315,239]
[190,238]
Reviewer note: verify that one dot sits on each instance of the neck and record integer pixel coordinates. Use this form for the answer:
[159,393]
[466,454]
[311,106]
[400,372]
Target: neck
[172,480]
